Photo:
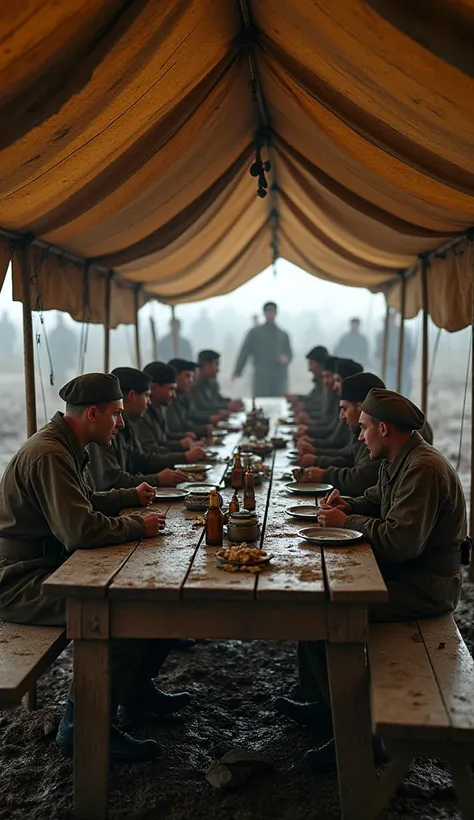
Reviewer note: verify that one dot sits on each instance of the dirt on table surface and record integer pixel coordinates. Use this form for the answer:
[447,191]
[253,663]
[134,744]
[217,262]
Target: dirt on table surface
[233,684]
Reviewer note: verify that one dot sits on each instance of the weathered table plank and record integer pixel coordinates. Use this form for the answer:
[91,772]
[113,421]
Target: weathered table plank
[88,573]
[353,575]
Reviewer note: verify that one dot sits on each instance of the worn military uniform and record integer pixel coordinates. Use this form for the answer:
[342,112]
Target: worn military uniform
[264,344]
[182,417]
[154,436]
[206,397]
[124,464]
[352,471]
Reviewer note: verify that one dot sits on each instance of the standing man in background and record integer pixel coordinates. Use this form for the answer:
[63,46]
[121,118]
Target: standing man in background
[270,349]
[166,348]
[353,345]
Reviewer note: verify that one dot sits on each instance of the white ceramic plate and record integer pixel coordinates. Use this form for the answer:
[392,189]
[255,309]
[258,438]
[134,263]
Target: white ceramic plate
[331,536]
[304,511]
[193,468]
[198,486]
[307,488]
[168,494]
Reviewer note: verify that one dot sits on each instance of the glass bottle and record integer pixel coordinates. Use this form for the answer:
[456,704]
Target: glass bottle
[214,521]
[249,491]
[234,505]
[237,480]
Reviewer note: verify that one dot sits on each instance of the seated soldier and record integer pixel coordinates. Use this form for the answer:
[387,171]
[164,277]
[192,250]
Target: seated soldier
[125,464]
[324,412]
[351,470]
[181,413]
[311,402]
[152,429]
[414,519]
[205,394]
[47,511]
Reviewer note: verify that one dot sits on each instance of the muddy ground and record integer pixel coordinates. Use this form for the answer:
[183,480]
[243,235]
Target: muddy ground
[233,684]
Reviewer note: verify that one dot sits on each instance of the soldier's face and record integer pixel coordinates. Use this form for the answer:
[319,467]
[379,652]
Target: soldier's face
[210,369]
[270,315]
[328,379]
[137,403]
[350,413]
[163,394]
[373,433]
[314,368]
[106,421]
[337,383]
[184,380]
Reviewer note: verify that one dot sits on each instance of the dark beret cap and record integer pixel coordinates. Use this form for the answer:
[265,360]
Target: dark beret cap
[161,373]
[356,388]
[91,388]
[391,407]
[330,364]
[270,306]
[347,367]
[206,356]
[132,379]
[182,364]
[318,354]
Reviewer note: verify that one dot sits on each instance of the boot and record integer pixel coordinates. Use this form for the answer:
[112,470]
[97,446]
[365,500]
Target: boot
[306,714]
[149,703]
[123,748]
[324,759]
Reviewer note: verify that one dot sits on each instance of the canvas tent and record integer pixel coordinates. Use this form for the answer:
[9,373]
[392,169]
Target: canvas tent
[129,127]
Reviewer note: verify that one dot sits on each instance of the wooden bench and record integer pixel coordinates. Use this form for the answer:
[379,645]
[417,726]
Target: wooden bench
[26,652]
[422,693]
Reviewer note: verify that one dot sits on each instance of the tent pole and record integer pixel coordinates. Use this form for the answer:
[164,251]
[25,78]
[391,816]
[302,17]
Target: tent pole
[137,329]
[385,344]
[108,292]
[425,334]
[174,333]
[154,340]
[28,349]
[401,335]
[471,505]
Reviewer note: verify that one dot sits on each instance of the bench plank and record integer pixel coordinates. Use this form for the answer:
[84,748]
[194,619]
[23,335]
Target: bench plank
[25,653]
[406,701]
[453,666]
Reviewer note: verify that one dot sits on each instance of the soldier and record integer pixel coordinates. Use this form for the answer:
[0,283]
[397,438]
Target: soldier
[125,464]
[205,394]
[350,470]
[152,429]
[270,349]
[414,519]
[353,344]
[181,414]
[47,511]
[317,358]
[323,413]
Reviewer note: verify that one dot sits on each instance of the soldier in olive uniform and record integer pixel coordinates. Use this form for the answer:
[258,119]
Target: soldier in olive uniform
[205,395]
[415,520]
[324,413]
[125,464]
[182,414]
[270,349]
[47,511]
[311,402]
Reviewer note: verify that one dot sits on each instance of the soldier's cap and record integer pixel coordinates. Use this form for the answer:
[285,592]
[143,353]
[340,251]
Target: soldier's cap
[161,373]
[207,356]
[347,367]
[391,407]
[270,306]
[132,379]
[356,388]
[182,364]
[318,354]
[90,389]
[330,364]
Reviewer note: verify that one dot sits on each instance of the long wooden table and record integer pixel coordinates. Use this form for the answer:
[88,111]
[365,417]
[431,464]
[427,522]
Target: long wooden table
[170,586]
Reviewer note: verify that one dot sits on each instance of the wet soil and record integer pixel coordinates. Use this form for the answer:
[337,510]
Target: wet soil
[233,684]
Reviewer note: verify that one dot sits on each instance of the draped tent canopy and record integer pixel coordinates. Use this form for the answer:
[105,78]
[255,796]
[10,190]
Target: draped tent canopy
[129,128]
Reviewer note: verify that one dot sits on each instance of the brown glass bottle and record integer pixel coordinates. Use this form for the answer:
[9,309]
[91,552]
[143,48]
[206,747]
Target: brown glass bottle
[234,505]
[249,491]
[214,521]
[237,481]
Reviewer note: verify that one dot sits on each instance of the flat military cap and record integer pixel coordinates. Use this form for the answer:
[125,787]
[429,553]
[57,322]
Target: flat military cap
[391,407]
[91,388]
[206,356]
[132,379]
[318,354]
[270,306]
[356,388]
[182,364]
[347,367]
[160,373]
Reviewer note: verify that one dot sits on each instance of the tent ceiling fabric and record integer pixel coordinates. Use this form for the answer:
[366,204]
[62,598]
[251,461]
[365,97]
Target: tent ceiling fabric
[129,130]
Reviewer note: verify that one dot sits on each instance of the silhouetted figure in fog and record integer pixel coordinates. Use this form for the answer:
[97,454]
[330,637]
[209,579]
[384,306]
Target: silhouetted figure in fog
[166,348]
[8,336]
[63,345]
[203,331]
[270,349]
[392,356]
[353,345]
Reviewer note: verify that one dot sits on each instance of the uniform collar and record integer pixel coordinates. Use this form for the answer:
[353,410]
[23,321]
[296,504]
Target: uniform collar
[394,466]
[80,455]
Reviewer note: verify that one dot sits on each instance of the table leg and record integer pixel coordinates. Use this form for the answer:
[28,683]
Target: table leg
[91,728]
[349,687]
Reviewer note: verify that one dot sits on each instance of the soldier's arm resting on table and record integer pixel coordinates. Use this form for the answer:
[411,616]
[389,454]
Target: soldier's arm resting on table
[110,502]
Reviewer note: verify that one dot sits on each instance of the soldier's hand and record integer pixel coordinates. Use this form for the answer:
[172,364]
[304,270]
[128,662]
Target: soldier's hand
[305,448]
[186,442]
[235,406]
[307,460]
[195,454]
[224,415]
[146,494]
[301,430]
[334,500]
[153,524]
[214,419]
[331,517]
[313,475]
[170,478]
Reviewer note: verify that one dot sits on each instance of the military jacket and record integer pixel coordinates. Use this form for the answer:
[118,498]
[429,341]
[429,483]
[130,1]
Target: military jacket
[124,464]
[353,470]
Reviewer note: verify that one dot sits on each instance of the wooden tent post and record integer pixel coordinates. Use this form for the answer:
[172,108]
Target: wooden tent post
[385,344]
[108,293]
[425,334]
[137,329]
[154,340]
[174,333]
[401,335]
[28,349]
[471,505]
